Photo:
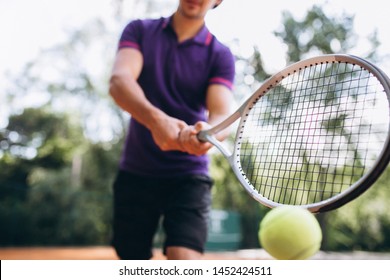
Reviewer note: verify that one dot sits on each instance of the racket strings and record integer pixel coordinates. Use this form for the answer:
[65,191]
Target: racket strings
[314,134]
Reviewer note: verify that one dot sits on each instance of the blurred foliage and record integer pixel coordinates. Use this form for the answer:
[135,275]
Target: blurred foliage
[55,178]
[61,195]
[360,225]
[229,195]
[318,33]
[364,223]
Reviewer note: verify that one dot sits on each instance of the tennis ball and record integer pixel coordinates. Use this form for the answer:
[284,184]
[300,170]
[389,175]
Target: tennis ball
[290,233]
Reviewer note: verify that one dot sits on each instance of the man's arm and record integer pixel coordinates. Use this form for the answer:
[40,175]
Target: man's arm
[128,94]
[219,101]
[219,104]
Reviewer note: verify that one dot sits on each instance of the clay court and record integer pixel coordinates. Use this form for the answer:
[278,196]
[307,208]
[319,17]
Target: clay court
[107,253]
[103,253]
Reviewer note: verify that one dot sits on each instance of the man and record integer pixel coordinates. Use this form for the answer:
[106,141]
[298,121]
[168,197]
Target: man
[175,79]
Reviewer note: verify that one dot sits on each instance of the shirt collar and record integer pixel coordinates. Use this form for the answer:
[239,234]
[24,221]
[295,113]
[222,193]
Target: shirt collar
[203,37]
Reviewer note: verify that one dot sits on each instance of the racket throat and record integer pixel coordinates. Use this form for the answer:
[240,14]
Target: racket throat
[206,137]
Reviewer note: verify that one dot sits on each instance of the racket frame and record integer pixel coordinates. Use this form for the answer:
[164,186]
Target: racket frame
[233,157]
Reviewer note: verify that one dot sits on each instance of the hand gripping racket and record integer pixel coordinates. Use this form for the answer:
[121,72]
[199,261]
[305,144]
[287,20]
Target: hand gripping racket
[315,135]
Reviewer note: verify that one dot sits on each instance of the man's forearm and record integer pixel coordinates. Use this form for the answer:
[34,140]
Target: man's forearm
[130,97]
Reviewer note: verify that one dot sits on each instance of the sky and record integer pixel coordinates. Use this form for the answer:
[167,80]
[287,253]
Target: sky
[253,22]
[27,26]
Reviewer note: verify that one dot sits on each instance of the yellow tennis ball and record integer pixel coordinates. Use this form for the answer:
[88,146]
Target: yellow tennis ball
[290,233]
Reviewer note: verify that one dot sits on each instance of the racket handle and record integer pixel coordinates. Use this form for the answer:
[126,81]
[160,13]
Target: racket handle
[203,136]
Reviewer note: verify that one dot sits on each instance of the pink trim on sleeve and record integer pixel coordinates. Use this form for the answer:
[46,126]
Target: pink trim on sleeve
[128,44]
[222,81]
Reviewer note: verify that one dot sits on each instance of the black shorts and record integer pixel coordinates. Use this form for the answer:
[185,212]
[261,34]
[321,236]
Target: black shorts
[139,203]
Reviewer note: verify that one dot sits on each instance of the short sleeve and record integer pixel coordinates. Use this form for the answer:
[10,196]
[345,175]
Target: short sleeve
[131,36]
[223,70]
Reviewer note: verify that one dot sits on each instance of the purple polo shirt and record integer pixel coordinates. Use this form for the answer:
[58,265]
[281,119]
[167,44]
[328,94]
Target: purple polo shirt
[174,78]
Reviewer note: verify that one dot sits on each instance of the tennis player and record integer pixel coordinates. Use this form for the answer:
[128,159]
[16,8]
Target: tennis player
[174,78]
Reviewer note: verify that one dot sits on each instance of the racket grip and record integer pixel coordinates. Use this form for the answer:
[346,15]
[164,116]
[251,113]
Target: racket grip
[203,136]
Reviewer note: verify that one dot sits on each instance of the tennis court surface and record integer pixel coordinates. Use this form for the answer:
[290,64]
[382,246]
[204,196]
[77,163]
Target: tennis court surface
[107,253]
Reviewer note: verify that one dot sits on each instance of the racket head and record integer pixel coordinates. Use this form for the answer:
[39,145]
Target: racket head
[315,134]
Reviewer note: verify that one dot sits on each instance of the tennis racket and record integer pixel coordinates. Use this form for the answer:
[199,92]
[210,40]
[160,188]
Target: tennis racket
[314,135]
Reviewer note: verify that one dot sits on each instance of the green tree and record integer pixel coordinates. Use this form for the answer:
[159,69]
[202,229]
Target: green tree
[36,139]
[78,196]
[317,33]
[57,160]
[229,195]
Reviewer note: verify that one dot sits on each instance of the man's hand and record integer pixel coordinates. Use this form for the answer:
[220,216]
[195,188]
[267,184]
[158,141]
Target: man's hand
[165,133]
[189,141]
